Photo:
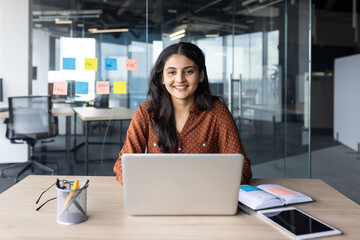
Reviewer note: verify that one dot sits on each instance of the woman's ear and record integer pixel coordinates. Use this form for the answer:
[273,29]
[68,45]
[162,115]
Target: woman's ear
[202,75]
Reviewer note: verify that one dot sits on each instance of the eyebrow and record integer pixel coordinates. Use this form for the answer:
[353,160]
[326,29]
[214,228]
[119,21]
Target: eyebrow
[183,68]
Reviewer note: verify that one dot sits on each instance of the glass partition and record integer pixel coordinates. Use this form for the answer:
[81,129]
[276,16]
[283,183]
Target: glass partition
[273,65]
[257,55]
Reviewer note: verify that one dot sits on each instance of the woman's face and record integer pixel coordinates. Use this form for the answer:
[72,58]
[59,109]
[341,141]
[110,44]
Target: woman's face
[181,77]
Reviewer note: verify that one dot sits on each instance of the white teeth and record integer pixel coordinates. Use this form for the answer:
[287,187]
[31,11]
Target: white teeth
[182,87]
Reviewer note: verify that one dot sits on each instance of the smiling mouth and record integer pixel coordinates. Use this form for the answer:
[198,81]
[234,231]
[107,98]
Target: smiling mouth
[180,87]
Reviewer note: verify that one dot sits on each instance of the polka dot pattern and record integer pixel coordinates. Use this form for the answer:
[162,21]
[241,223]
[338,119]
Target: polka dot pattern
[212,131]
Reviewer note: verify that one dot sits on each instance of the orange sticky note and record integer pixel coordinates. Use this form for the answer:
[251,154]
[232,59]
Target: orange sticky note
[131,64]
[280,191]
[90,64]
[120,87]
[60,88]
[102,87]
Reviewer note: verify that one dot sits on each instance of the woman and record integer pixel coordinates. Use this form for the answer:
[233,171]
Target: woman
[181,115]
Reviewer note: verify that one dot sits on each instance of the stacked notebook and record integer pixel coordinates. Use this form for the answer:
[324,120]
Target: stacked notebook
[270,195]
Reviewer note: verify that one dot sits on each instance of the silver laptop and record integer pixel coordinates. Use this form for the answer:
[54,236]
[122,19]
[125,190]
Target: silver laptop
[181,184]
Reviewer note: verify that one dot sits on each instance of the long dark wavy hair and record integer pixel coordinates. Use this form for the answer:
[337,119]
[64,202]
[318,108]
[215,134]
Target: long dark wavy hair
[160,106]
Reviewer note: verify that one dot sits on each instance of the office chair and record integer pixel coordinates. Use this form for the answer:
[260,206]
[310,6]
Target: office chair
[30,120]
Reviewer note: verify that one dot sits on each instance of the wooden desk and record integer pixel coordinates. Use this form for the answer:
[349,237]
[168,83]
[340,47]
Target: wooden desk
[88,114]
[105,207]
[4,114]
[67,112]
[291,109]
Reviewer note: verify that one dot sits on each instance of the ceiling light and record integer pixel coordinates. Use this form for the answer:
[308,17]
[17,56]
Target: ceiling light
[50,16]
[177,37]
[95,30]
[177,33]
[58,21]
[68,12]
[211,35]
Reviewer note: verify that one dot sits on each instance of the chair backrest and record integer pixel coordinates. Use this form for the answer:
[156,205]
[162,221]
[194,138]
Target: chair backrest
[30,118]
[250,96]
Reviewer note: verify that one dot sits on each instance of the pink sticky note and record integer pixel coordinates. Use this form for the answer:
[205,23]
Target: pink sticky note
[102,87]
[131,64]
[280,191]
[60,88]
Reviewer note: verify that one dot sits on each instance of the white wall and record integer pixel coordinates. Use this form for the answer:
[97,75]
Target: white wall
[41,40]
[347,100]
[14,61]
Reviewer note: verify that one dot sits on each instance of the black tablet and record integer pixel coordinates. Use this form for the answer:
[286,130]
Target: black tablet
[298,223]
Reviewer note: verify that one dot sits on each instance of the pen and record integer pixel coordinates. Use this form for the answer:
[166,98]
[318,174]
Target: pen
[243,209]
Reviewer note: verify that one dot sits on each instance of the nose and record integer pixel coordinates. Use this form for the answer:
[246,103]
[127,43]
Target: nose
[180,77]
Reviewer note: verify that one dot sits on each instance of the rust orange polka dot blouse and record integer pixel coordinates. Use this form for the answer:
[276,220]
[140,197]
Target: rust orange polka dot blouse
[212,131]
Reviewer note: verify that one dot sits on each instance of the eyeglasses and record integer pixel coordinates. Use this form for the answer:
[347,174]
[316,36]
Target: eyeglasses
[62,184]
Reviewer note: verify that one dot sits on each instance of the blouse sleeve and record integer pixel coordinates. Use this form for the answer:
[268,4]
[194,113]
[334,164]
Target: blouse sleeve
[229,140]
[136,139]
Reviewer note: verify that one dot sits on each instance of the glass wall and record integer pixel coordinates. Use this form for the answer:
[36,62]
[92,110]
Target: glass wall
[257,55]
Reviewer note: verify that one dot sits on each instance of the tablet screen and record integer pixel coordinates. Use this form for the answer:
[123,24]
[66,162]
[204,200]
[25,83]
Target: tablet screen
[297,222]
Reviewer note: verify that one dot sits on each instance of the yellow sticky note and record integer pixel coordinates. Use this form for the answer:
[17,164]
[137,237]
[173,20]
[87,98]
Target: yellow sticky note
[120,87]
[91,64]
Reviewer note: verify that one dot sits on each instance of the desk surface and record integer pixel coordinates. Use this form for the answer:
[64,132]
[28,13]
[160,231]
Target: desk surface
[18,218]
[63,111]
[98,114]
[295,109]
[67,111]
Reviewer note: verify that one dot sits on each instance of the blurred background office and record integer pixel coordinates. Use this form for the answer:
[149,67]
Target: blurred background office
[273,62]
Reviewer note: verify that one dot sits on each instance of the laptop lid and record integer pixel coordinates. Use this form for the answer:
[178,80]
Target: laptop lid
[181,184]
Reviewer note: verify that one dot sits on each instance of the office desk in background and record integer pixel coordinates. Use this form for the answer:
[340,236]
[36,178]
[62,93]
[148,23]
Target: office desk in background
[107,220]
[66,112]
[89,114]
[4,114]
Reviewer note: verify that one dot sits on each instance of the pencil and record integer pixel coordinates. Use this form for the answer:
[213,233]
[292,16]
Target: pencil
[74,187]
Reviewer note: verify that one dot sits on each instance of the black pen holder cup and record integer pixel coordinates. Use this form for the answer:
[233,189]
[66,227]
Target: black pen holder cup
[71,205]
